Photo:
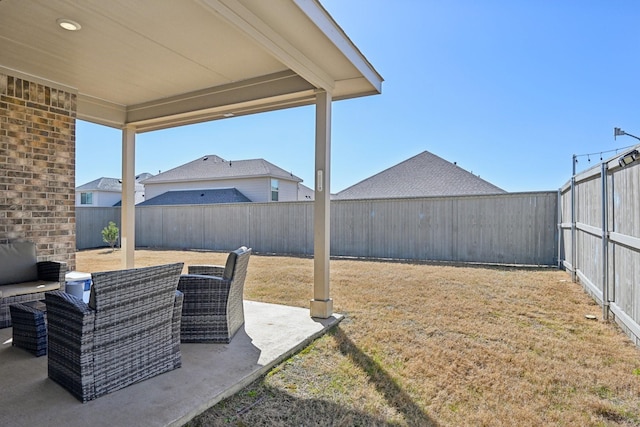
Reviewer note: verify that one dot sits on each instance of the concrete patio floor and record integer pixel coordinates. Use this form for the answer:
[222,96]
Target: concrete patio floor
[209,373]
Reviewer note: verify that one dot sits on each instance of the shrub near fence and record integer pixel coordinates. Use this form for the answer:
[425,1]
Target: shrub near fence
[511,228]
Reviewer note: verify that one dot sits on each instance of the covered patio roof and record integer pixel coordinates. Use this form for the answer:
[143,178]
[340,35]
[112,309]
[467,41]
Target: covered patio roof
[146,65]
[156,64]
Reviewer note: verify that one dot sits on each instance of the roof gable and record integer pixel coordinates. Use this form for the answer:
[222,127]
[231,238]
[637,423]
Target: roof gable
[212,167]
[420,176]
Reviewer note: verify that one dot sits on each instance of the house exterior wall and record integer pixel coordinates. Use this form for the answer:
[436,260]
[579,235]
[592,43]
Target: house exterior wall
[256,189]
[106,198]
[37,173]
[101,198]
[288,191]
[138,197]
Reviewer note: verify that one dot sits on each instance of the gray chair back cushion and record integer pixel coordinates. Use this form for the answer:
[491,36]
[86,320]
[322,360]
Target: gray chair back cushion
[18,263]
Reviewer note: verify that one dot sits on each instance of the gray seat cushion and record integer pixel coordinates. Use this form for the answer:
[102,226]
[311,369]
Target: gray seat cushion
[18,263]
[26,288]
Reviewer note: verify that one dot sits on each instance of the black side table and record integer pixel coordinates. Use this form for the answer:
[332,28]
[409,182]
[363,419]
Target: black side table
[29,321]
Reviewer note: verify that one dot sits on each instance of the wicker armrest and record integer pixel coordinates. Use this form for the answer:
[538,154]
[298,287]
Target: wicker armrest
[67,316]
[175,328]
[209,270]
[62,302]
[69,319]
[70,328]
[52,271]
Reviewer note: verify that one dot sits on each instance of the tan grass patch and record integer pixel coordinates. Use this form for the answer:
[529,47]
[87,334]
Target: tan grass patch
[425,344]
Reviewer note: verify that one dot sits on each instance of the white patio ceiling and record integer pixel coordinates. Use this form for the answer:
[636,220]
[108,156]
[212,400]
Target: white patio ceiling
[160,63]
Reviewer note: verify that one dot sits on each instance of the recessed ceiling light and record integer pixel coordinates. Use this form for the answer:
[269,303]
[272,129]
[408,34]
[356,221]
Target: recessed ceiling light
[68,24]
[228,115]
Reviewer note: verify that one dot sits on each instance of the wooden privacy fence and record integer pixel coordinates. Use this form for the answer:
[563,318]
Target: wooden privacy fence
[599,230]
[512,228]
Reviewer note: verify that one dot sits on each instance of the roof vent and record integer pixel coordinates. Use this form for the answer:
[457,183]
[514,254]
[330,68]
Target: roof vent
[205,158]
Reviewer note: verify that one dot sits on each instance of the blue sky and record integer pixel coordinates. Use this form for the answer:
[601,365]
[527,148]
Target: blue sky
[509,90]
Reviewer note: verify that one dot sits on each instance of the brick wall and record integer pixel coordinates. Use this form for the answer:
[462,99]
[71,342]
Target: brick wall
[37,167]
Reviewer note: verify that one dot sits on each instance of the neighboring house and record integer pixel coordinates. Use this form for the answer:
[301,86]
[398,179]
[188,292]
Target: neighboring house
[107,192]
[256,180]
[420,176]
[305,193]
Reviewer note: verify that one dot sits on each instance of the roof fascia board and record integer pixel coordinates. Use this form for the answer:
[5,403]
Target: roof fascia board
[102,112]
[235,110]
[251,90]
[255,28]
[226,110]
[319,16]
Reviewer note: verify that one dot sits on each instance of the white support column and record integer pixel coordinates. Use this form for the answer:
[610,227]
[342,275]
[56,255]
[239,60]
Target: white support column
[128,214]
[322,304]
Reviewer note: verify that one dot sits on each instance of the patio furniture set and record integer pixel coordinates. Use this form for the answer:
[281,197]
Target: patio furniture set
[131,328]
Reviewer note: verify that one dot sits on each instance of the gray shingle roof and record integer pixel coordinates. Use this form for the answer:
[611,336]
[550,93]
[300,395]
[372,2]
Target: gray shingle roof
[420,176]
[102,184]
[112,184]
[211,167]
[197,197]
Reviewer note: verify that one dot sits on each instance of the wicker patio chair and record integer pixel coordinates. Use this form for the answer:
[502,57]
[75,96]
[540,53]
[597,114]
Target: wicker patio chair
[127,333]
[212,309]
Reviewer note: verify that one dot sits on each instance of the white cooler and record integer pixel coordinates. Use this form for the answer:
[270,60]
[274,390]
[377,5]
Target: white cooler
[78,284]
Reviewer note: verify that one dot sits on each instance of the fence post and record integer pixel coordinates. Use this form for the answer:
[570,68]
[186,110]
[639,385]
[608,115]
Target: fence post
[605,244]
[560,238]
[574,239]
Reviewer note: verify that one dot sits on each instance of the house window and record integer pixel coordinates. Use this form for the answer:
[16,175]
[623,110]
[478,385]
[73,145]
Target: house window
[274,190]
[86,198]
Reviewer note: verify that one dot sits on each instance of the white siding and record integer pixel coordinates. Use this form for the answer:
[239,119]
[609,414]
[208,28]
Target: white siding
[288,191]
[100,198]
[139,197]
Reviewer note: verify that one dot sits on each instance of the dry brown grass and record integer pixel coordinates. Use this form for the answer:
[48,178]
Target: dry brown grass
[432,345]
